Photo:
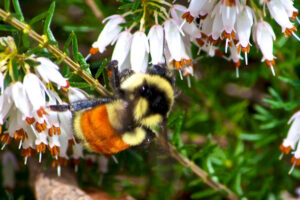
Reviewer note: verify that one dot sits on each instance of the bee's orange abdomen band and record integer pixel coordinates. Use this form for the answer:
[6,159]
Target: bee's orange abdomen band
[99,133]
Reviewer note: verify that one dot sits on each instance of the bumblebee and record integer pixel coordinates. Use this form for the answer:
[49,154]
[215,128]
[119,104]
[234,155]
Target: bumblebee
[139,103]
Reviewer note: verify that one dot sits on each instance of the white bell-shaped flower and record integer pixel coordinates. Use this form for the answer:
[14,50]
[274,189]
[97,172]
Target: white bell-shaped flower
[290,9]
[21,100]
[76,94]
[122,49]
[49,71]
[207,8]
[244,24]
[36,92]
[156,40]
[188,28]
[264,36]
[193,10]
[279,13]
[6,103]
[293,136]
[139,52]
[175,44]
[109,33]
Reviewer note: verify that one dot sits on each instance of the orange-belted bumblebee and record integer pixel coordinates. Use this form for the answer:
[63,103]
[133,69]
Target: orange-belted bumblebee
[114,123]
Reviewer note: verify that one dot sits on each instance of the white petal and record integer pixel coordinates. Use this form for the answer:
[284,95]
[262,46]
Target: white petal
[21,100]
[217,27]
[244,23]
[5,103]
[139,51]
[122,47]
[228,17]
[174,41]
[109,33]
[49,72]
[35,90]
[76,94]
[156,40]
[279,13]
[293,134]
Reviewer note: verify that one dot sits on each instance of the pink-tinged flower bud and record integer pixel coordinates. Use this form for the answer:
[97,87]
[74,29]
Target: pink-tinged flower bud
[109,33]
[139,52]
[122,48]
[279,13]
[264,36]
[156,40]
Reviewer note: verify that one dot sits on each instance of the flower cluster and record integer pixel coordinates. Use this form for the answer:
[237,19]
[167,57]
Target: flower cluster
[24,101]
[211,25]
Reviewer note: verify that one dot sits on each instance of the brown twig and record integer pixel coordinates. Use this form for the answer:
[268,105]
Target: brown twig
[99,88]
[56,52]
[93,6]
[197,170]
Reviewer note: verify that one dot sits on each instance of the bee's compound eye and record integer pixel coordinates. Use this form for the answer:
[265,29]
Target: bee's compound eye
[145,91]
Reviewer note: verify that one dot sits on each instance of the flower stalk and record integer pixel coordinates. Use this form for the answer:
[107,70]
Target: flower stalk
[43,41]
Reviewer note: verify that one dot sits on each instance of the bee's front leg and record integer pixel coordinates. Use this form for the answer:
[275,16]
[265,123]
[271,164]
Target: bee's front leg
[81,104]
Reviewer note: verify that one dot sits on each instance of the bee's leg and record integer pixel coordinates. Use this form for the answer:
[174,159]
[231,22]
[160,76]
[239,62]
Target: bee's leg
[113,66]
[81,104]
[149,137]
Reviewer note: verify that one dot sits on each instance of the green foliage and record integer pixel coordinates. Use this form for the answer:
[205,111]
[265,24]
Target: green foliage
[234,138]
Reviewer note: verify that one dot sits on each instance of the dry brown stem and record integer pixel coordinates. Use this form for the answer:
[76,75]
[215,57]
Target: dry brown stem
[94,8]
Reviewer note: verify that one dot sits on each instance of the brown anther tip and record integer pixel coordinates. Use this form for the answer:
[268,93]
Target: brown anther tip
[54,150]
[59,161]
[202,16]
[41,148]
[270,63]
[0,129]
[27,152]
[237,64]
[295,160]
[285,150]
[218,53]
[188,17]
[20,135]
[200,42]
[30,120]
[93,50]
[5,138]
[76,161]
[71,142]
